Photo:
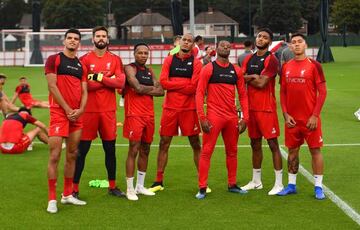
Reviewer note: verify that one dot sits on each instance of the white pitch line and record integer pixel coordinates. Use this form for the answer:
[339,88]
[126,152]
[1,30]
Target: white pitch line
[347,209]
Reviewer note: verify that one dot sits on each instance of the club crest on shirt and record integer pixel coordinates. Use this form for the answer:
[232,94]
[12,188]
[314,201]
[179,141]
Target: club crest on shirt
[92,66]
[108,65]
[302,72]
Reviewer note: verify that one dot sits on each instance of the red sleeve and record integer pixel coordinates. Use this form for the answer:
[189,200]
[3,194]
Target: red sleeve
[27,117]
[204,77]
[243,98]
[118,81]
[18,89]
[271,66]
[85,73]
[50,66]
[245,62]
[283,89]
[195,51]
[321,88]
[164,76]
[191,88]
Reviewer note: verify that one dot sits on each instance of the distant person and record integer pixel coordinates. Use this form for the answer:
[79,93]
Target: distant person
[278,49]
[198,46]
[220,80]
[248,46]
[141,86]
[286,55]
[6,105]
[13,140]
[210,55]
[22,92]
[176,43]
[302,95]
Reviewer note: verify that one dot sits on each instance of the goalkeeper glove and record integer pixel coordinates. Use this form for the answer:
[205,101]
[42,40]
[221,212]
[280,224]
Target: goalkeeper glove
[95,77]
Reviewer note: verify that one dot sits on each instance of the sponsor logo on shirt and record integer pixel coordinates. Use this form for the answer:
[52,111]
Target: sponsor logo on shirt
[181,69]
[189,63]
[296,80]
[262,59]
[225,75]
[254,66]
[72,67]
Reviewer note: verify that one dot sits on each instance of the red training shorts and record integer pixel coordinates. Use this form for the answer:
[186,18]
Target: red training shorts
[104,123]
[60,125]
[171,120]
[294,137]
[263,124]
[138,128]
[18,147]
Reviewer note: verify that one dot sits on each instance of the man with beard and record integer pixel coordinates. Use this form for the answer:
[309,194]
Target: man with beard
[105,74]
[179,76]
[141,86]
[220,80]
[260,71]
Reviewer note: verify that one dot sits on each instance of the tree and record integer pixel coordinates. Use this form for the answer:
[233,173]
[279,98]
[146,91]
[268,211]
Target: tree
[281,16]
[73,13]
[347,13]
[310,12]
[11,12]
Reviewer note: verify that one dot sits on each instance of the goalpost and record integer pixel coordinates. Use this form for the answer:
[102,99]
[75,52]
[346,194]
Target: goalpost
[40,45]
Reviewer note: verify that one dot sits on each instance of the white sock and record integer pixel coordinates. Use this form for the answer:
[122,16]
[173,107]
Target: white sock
[140,178]
[278,177]
[318,180]
[292,178]
[256,176]
[130,183]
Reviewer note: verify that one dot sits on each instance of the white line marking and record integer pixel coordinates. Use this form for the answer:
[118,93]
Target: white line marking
[349,211]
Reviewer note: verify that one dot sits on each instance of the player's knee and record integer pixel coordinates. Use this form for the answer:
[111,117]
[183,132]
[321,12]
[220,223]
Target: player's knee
[164,144]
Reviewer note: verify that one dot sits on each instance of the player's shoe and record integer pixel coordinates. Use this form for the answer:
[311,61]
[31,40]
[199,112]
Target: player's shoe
[144,191]
[252,185]
[52,207]
[131,194]
[71,200]
[201,194]
[290,189]
[116,192]
[319,193]
[236,189]
[357,114]
[276,189]
[156,186]
[30,147]
[63,145]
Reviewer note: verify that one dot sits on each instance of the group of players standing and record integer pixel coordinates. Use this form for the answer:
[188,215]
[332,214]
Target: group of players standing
[83,103]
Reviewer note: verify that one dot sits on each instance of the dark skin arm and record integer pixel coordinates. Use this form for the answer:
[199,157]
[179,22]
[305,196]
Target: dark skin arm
[258,81]
[139,88]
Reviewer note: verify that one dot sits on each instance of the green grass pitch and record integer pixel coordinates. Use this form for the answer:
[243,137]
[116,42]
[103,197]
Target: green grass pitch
[24,184]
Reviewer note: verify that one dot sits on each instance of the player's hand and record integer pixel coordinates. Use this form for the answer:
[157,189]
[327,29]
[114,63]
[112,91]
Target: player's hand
[241,126]
[75,115]
[205,126]
[95,77]
[249,78]
[312,123]
[289,120]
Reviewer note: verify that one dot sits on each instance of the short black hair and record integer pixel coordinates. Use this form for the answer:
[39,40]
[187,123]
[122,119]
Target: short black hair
[73,31]
[198,38]
[248,43]
[218,43]
[98,28]
[267,30]
[24,109]
[176,37]
[21,78]
[2,76]
[140,44]
[298,35]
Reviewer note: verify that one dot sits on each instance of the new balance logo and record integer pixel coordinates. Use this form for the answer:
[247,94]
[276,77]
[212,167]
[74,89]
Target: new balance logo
[320,139]
[189,63]
[57,128]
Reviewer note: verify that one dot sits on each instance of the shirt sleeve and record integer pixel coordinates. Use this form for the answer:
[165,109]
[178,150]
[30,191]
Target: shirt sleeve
[243,97]
[204,77]
[321,88]
[18,89]
[164,77]
[50,64]
[271,66]
[27,117]
[118,81]
[283,89]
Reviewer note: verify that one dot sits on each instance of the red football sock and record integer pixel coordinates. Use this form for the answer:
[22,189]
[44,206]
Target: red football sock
[68,182]
[112,184]
[76,187]
[52,189]
[159,176]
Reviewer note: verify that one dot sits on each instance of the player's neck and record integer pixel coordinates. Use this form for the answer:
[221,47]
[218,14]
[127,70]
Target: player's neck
[100,52]
[261,52]
[70,54]
[182,54]
[222,60]
[300,57]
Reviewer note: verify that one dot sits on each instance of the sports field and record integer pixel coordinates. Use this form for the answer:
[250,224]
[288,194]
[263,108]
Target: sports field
[23,180]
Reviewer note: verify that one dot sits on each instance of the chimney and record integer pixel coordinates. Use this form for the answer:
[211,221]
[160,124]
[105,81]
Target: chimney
[210,10]
[148,11]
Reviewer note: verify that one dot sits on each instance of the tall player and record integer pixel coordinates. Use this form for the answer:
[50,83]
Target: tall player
[302,95]
[23,92]
[139,118]
[220,80]
[260,70]
[67,96]
[179,77]
[105,74]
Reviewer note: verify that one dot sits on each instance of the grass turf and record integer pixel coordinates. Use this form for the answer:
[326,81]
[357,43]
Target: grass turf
[24,181]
